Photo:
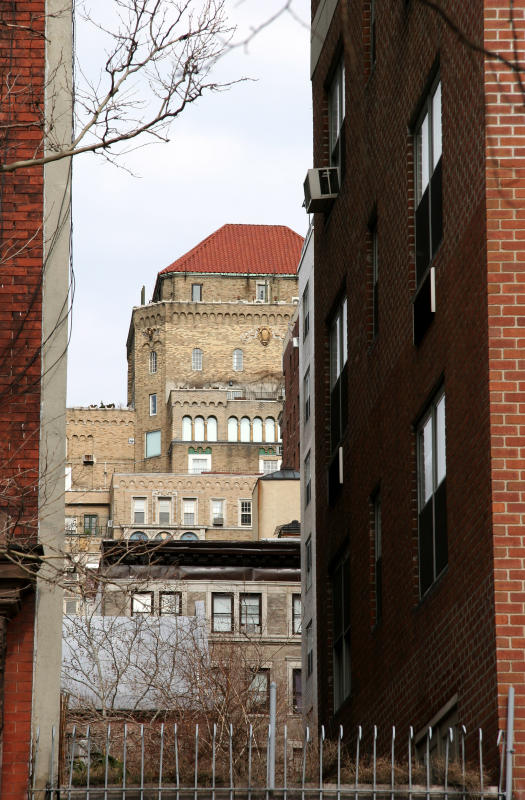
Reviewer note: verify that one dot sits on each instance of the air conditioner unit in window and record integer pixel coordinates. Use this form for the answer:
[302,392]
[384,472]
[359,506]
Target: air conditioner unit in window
[110,523]
[218,520]
[295,299]
[89,458]
[321,186]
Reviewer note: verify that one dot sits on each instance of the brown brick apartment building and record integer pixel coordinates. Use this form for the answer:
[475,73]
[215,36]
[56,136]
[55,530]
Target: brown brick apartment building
[419,366]
[34,258]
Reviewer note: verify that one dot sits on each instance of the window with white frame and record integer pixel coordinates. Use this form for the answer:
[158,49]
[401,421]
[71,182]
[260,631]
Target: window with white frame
[297,690]
[164,510]
[198,427]
[306,396]
[257,429]
[309,649]
[336,115]
[245,508]
[269,429]
[268,465]
[308,562]
[153,362]
[341,645]
[261,291]
[258,689]
[297,613]
[211,429]
[221,612]
[306,311]
[187,433]
[250,611]
[152,405]
[233,427]
[68,478]
[198,463]
[428,189]
[217,512]
[238,360]
[245,429]
[142,603]
[196,292]
[139,510]
[307,480]
[196,359]
[189,511]
[153,444]
[170,603]
[432,493]
[338,374]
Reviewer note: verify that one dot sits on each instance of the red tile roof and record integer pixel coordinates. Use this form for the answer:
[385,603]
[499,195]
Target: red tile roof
[253,249]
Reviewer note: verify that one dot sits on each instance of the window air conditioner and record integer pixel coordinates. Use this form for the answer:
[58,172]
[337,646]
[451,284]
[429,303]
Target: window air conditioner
[218,520]
[89,458]
[295,299]
[321,186]
[110,523]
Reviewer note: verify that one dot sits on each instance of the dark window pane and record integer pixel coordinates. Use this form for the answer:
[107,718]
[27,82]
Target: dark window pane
[426,547]
[422,236]
[440,522]
[436,210]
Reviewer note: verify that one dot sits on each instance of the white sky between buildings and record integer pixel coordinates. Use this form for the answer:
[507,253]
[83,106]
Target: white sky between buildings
[235,157]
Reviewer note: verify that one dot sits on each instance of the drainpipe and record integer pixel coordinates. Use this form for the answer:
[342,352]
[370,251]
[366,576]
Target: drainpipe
[509,744]
[3,648]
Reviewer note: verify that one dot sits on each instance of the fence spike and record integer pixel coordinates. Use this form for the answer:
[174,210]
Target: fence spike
[161,758]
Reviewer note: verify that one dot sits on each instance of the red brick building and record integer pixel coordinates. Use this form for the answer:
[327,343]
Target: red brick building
[32,371]
[290,419]
[419,417]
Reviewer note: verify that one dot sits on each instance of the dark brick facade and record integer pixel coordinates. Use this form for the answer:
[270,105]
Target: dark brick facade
[22,66]
[462,642]
[290,424]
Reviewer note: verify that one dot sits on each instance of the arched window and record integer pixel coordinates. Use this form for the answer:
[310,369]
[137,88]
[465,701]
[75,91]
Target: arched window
[189,536]
[279,437]
[153,361]
[238,361]
[232,429]
[199,429]
[139,536]
[257,428]
[162,536]
[269,429]
[211,429]
[186,429]
[245,429]
[196,359]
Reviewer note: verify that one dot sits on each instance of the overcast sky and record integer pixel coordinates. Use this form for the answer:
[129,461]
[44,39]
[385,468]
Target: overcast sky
[235,157]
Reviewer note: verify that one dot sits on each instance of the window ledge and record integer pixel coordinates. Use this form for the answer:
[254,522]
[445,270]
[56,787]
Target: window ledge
[432,589]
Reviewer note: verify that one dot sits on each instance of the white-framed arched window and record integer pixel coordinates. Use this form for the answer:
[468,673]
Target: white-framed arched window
[186,429]
[245,429]
[153,361]
[257,429]
[269,429]
[238,360]
[211,429]
[196,359]
[199,429]
[233,429]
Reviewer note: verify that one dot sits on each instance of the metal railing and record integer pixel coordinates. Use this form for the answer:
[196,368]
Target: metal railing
[144,762]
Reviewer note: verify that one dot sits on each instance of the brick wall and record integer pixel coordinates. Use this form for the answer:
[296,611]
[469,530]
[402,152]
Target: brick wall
[291,409]
[425,652]
[21,209]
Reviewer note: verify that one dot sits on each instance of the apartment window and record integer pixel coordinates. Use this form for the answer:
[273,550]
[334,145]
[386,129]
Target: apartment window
[375,278]
[189,536]
[90,523]
[306,311]
[198,464]
[306,396]
[233,428]
[186,429]
[164,510]
[170,603]
[261,291]
[269,429]
[139,510]
[297,691]
[238,361]
[211,429]
[217,512]
[196,359]
[378,558]
[432,498]
[257,429]
[153,362]
[196,292]
[338,375]
[308,562]
[336,112]
[267,465]
[297,613]
[199,429]
[138,536]
[221,613]
[250,612]
[259,690]
[246,512]
[189,511]
[428,189]
[307,480]
[152,405]
[142,603]
[245,429]
[341,646]
[152,444]
[309,649]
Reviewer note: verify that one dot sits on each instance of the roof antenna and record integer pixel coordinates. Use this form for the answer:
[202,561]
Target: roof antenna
[143,296]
